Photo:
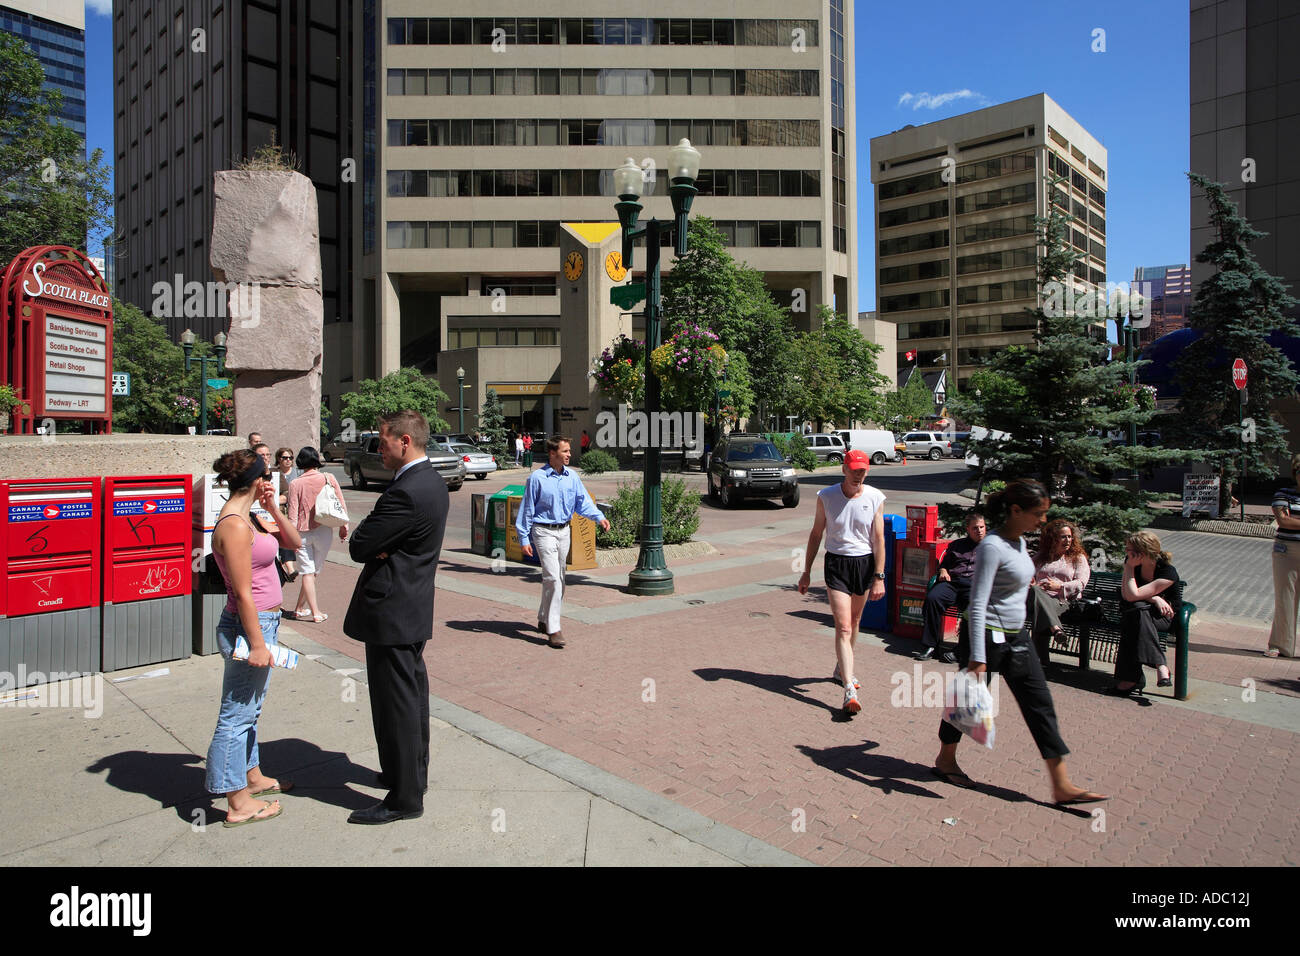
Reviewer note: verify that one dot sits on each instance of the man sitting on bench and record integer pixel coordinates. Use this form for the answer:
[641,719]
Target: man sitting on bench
[952,587]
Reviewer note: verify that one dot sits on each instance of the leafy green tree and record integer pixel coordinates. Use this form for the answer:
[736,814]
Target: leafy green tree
[395,392]
[1058,401]
[50,193]
[156,365]
[859,397]
[492,422]
[1235,310]
[905,407]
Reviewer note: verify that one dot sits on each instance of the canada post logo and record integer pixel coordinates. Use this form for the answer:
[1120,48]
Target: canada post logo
[52,512]
[149,506]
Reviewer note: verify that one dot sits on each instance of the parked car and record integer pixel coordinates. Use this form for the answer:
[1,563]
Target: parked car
[336,448]
[477,462]
[959,440]
[826,447]
[877,443]
[445,439]
[932,445]
[364,465]
[747,465]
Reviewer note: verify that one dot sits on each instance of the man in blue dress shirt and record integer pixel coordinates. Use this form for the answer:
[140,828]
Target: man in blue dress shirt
[551,497]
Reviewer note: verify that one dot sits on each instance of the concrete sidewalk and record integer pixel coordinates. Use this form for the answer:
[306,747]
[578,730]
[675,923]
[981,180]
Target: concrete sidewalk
[125,788]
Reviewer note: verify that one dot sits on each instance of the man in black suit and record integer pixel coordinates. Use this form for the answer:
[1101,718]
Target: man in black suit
[392,612]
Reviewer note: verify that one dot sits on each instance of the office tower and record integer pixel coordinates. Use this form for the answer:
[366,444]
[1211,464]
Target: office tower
[56,31]
[201,86]
[1170,292]
[956,248]
[496,130]
[1245,125]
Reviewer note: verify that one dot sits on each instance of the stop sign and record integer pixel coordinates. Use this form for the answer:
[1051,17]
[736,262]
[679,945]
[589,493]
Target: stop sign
[1239,373]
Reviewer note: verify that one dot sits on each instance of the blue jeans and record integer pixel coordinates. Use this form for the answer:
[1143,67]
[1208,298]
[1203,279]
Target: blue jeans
[243,689]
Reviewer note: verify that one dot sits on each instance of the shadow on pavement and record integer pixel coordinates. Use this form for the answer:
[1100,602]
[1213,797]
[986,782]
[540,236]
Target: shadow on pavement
[512,629]
[887,774]
[178,780]
[781,684]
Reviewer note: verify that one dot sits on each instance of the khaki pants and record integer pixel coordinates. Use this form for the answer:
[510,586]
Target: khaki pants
[1286,594]
[552,547]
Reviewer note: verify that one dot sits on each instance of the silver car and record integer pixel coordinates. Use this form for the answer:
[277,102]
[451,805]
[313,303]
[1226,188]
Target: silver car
[476,461]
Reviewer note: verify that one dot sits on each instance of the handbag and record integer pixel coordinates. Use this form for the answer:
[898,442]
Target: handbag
[329,509]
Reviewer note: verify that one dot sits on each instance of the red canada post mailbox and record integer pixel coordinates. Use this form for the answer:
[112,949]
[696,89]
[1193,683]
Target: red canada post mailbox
[147,577]
[50,575]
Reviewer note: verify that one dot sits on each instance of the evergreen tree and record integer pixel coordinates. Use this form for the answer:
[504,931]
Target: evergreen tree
[492,422]
[1235,310]
[1058,401]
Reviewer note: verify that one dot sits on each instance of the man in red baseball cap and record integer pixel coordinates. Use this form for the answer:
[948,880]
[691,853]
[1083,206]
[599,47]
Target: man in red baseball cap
[851,515]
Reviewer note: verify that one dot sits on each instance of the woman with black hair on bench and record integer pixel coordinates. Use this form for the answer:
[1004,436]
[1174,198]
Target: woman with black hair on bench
[1150,602]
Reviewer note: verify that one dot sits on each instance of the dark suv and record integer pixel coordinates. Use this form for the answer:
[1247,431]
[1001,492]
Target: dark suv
[746,465]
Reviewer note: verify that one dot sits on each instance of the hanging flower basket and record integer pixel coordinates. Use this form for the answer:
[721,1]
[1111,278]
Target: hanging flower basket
[619,371]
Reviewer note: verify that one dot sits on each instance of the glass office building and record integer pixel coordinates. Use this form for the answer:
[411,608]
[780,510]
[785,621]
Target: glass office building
[57,35]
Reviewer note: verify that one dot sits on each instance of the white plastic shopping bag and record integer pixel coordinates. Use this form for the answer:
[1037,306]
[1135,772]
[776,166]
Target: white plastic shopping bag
[970,708]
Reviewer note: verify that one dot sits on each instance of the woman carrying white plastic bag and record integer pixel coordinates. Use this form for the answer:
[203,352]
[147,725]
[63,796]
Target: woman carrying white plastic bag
[969,706]
[316,535]
[997,641]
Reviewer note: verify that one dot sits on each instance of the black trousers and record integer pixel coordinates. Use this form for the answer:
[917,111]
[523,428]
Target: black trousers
[1030,692]
[942,596]
[1140,627]
[399,707]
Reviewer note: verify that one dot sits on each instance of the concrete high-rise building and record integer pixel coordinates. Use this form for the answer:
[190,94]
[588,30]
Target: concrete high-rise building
[56,32]
[1170,290]
[497,131]
[956,247]
[202,85]
[1245,125]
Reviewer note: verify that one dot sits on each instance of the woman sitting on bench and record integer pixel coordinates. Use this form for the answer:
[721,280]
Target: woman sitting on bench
[1061,573]
[1150,601]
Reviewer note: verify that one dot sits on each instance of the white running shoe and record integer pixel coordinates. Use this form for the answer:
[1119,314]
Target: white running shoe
[851,703]
[835,676]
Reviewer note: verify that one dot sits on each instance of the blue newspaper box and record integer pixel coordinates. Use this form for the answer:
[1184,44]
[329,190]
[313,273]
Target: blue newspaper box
[878,615]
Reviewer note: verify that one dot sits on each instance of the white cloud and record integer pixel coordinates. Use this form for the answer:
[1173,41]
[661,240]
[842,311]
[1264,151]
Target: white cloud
[103,7]
[932,101]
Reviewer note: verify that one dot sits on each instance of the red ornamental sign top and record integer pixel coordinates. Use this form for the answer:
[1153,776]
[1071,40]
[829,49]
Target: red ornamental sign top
[1239,373]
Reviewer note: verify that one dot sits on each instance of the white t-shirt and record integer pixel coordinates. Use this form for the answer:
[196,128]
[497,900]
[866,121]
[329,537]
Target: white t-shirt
[849,520]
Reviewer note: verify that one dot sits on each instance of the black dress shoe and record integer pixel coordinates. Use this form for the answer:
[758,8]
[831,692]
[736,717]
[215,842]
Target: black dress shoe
[948,657]
[379,814]
[924,655]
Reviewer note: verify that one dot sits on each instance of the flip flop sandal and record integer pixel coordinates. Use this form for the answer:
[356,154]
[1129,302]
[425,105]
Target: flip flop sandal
[1087,797]
[956,779]
[320,618]
[286,787]
[258,817]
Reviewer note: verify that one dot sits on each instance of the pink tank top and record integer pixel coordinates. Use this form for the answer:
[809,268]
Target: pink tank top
[266,579]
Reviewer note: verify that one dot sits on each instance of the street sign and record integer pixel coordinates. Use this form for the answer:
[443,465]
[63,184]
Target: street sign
[121,384]
[218,382]
[724,393]
[1239,373]
[626,296]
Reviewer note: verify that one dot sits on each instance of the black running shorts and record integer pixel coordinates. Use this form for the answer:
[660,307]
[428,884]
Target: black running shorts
[849,573]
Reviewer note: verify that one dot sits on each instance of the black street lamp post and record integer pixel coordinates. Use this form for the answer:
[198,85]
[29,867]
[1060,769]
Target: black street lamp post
[651,575]
[219,346]
[460,383]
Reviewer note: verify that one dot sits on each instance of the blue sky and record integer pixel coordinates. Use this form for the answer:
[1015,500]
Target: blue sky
[1132,97]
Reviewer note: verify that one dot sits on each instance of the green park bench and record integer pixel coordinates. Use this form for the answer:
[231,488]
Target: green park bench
[1095,636]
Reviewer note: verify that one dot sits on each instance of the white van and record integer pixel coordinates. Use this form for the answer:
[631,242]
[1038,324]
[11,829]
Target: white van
[978,433]
[879,444]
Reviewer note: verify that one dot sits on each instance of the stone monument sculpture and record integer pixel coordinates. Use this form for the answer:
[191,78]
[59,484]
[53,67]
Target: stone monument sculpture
[266,248]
